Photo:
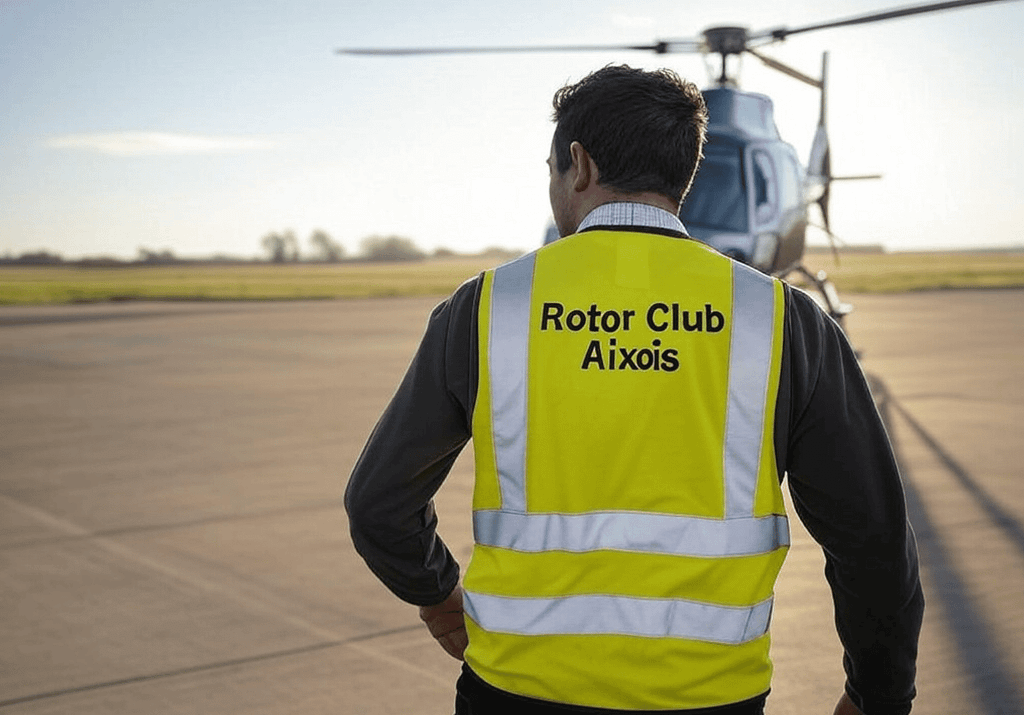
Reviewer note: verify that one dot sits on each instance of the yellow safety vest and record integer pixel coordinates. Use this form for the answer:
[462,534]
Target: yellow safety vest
[627,514]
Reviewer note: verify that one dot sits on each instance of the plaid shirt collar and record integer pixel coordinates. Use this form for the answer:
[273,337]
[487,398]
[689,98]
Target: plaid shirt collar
[632,214]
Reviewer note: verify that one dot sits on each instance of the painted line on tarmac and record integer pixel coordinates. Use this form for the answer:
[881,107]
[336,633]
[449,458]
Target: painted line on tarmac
[323,505]
[167,674]
[81,314]
[206,667]
[251,602]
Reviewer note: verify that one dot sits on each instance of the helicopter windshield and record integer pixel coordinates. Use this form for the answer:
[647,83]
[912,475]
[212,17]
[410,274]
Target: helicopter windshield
[718,197]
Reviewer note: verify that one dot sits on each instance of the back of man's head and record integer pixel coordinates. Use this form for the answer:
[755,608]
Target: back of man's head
[644,130]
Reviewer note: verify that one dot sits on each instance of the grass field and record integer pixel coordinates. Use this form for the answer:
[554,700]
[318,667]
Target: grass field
[254,281]
[856,273]
[900,272]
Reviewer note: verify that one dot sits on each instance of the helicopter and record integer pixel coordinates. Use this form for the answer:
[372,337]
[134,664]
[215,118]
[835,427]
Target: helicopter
[751,196]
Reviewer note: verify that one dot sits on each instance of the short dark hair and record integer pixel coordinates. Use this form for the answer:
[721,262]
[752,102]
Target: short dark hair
[644,130]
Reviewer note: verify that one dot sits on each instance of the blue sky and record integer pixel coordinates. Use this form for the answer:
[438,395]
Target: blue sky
[202,126]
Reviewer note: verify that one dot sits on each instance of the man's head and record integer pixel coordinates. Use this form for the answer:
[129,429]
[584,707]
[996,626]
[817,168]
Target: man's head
[642,131]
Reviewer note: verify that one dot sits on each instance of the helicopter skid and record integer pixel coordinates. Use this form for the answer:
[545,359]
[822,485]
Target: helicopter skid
[826,295]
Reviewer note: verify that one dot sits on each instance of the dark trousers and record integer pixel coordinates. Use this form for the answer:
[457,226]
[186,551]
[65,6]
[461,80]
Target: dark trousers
[475,697]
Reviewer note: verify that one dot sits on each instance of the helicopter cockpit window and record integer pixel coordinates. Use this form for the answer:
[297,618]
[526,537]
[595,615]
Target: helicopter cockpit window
[718,197]
[765,189]
[753,114]
[789,184]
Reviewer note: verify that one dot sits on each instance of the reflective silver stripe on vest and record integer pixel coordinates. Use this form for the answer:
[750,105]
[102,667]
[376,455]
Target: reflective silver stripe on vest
[750,359]
[631,531]
[624,615]
[507,360]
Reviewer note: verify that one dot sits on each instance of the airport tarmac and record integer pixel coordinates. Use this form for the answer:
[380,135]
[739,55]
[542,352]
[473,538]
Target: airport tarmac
[172,538]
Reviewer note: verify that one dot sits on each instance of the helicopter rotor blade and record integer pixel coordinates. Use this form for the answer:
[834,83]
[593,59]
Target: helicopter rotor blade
[660,47]
[702,45]
[782,33]
[786,69]
[859,177]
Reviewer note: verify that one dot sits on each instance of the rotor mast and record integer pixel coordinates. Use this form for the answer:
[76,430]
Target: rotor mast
[725,41]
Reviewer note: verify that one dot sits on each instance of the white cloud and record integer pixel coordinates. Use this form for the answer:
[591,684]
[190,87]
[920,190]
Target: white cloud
[155,143]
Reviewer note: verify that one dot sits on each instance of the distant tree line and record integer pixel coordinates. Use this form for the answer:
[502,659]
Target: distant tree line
[390,248]
[156,257]
[280,247]
[145,257]
[33,258]
[283,247]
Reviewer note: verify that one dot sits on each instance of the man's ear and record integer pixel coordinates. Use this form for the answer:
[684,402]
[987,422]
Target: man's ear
[583,167]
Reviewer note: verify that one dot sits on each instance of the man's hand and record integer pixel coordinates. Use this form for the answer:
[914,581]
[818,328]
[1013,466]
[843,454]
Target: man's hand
[447,624]
[845,706]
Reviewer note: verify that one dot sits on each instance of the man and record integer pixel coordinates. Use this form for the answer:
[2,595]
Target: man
[635,399]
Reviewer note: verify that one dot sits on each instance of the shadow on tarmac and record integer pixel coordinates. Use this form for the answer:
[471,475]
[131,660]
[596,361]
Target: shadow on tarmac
[1004,520]
[993,683]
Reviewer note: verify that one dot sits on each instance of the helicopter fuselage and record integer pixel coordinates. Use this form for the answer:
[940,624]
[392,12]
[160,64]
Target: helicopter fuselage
[750,196]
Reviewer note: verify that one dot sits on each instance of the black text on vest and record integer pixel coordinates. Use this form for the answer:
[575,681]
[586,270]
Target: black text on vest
[615,357]
[661,317]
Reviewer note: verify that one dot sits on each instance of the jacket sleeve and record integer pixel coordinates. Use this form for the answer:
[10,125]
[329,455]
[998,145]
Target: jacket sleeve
[389,498]
[847,490]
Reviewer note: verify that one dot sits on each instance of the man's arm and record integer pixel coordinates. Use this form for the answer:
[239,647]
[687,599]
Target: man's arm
[389,498]
[847,490]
